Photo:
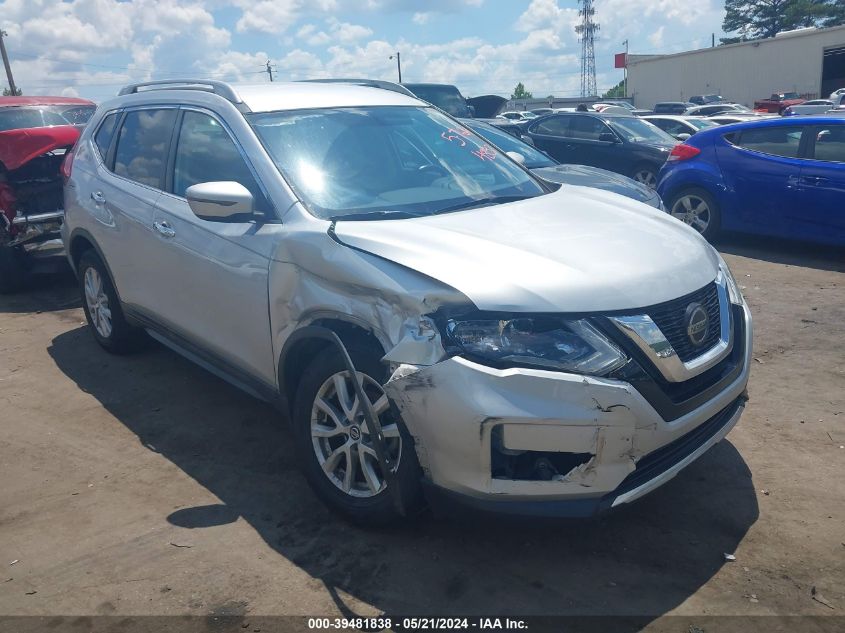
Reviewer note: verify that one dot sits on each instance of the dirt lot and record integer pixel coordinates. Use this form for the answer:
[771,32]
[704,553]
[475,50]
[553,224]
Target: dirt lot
[144,485]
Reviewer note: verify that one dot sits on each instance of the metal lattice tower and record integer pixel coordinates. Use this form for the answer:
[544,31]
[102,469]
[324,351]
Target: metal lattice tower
[586,33]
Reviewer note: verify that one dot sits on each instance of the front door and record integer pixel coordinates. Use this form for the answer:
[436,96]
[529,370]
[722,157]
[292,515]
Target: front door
[211,278]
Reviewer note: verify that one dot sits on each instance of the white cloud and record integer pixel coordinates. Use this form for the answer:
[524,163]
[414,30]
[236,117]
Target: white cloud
[656,38]
[421,18]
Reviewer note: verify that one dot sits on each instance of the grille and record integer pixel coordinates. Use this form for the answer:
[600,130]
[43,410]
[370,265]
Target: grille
[669,317]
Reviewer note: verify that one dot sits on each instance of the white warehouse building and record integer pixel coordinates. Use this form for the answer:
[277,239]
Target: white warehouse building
[809,61]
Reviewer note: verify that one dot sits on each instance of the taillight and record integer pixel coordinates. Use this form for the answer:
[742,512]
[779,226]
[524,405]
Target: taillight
[683,152]
[67,165]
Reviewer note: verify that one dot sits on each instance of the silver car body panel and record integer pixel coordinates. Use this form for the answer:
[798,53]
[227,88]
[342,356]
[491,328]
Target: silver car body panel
[568,251]
[239,290]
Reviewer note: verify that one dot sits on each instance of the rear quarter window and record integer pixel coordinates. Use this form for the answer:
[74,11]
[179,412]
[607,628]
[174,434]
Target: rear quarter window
[104,135]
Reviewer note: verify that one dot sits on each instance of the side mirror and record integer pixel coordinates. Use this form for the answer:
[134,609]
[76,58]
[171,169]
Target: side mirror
[682,136]
[527,140]
[219,201]
[471,111]
[608,137]
[516,156]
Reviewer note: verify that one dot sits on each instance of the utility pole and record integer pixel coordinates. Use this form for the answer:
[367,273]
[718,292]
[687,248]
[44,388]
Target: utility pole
[586,30]
[712,40]
[12,88]
[269,70]
[625,80]
[398,65]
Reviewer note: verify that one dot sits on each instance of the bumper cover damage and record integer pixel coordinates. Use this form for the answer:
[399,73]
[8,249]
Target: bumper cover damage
[537,442]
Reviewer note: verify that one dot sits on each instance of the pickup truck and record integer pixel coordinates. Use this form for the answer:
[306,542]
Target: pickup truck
[778,102]
[816,106]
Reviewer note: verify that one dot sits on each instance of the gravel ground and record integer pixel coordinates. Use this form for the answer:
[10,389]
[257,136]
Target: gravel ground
[144,485]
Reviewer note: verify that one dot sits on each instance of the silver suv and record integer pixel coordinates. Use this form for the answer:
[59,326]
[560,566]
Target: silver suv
[519,347]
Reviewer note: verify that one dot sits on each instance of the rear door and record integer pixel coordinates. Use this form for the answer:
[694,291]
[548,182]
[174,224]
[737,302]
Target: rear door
[761,165]
[821,215]
[122,197]
[589,134]
[553,136]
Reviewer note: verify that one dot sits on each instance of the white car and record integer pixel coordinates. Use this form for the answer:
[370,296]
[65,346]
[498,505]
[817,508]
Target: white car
[816,106]
[430,315]
[517,116]
[679,126]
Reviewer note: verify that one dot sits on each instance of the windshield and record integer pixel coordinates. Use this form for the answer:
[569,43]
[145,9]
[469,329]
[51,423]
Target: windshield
[701,123]
[23,117]
[791,95]
[638,131]
[534,158]
[447,98]
[369,162]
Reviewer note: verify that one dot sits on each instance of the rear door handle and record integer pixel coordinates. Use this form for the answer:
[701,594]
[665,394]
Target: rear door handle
[164,228]
[98,197]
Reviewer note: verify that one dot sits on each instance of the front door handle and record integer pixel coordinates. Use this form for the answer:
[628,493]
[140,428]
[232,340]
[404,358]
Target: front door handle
[98,197]
[164,229]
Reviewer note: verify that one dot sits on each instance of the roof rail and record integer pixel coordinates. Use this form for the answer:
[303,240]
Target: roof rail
[220,88]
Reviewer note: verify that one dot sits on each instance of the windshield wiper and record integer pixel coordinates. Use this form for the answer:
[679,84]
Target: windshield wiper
[374,215]
[481,203]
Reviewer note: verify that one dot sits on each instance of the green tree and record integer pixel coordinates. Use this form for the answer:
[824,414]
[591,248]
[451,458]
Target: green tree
[521,93]
[7,92]
[755,19]
[616,92]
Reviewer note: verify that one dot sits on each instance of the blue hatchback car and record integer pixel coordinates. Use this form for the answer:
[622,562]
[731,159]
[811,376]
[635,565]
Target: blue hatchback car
[779,177]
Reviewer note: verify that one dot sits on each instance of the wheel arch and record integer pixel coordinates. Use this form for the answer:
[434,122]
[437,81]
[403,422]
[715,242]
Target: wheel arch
[82,241]
[297,350]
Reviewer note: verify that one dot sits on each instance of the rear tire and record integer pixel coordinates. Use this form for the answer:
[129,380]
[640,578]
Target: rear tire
[13,273]
[102,307]
[336,457]
[697,208]
[645,174]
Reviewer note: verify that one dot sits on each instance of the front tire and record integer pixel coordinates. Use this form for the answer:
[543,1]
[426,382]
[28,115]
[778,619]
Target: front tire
[333,442]
[102,307]
[697,208]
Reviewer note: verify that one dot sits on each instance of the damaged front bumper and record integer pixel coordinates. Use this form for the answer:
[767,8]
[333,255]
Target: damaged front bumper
[545,443]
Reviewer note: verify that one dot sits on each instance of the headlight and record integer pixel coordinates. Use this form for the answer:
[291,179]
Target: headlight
[543,342]
[733,289]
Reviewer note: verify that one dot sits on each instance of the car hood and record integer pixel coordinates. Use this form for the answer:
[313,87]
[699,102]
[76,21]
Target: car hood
[574,250]
[18,147]
[586,176]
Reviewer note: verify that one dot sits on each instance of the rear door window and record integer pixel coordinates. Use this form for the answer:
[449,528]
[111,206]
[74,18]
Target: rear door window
[829,144]
[143,144]
[777,141]
[554,126]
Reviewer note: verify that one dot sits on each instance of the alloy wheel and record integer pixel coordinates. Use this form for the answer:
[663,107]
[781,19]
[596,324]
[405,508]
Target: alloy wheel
[98,302]
[341,439]
[692,210]
[646,177]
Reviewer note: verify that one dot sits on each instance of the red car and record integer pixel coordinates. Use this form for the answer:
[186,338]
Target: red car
[778,102]
[35,135]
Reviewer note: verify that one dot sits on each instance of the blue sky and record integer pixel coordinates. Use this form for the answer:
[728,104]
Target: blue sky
[92,47]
